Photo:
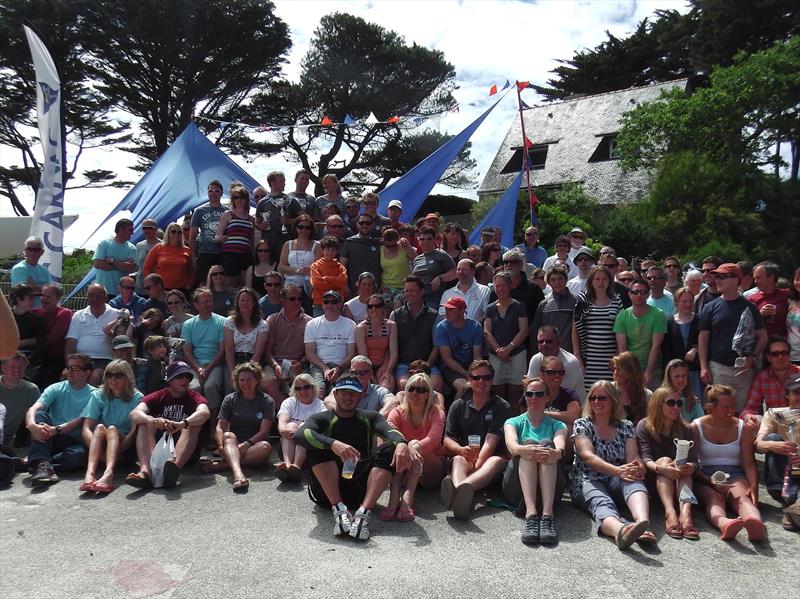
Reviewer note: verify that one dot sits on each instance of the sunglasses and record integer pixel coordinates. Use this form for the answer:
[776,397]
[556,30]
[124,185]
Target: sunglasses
[34,249]
[535,393]
[175,232]
[510,262]
[426,238]
[638,292]
[366,223]
[656,278]
[598,398]
[148,227]
[336,226]
[75,368]
[303,387]
[539,278]
[115,375]
[626,279]
[418,390]
[263,251]
[148,287]
[611,266]
[127,287]
[304,227]
[328,302]
[707,270]
[555,371]
[545,341]
[781,353]
[671,266]
[674,402]
[481,377]
[375,306]
[531,235]
[294,298]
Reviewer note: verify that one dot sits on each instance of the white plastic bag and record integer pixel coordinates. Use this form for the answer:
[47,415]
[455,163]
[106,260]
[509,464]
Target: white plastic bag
[163,452]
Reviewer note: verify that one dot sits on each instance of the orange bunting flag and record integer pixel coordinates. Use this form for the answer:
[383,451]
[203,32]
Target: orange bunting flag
[326,122]
[522,85]
[394,119]
[493,90]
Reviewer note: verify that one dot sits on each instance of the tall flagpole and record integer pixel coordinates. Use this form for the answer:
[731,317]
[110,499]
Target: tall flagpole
[526,158]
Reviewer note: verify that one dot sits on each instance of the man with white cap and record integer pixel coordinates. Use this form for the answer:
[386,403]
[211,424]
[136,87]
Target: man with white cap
[395,211]
[175,409]
[577,237]
[584,260]
[347,469]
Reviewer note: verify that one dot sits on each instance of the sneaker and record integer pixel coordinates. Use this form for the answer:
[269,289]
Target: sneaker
[359,529]
[45,475]
[530,530]
[341,520]
[446,492]
[547,530]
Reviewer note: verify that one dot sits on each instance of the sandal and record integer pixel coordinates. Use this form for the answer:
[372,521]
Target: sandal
[104,488]
[691,533]
[675,531]
[406,514]
[86,487]
[241,485]
[648,538]
[756,531]
[390,513]
[731,529]
[206,466]
[295,474]
[140,480]
[282,472]
[626,535]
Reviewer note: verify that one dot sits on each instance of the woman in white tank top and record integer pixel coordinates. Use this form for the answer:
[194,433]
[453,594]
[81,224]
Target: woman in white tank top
[725,445]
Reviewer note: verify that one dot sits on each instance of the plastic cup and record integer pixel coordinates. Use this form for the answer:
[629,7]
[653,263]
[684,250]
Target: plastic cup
[348,468]
[719,477]
[474,440]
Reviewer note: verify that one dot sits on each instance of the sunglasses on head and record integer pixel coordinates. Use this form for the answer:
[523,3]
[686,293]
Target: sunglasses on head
[535,393]
[674,402]
[481,377]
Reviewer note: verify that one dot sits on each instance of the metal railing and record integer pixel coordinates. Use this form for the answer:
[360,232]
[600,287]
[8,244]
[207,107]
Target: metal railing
[77,302]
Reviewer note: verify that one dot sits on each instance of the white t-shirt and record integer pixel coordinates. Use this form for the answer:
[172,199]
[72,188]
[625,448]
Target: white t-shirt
[298,412]
[357,308]
[573,379]
[88,330]
[576,285]
[573,270]
[331,337]
[476,297]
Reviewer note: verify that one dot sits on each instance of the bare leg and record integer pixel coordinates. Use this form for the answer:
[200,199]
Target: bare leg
[639,504]
[145,443]
[686,507]
[112,453]
[258,454]
[715,506]
[438,383]
[547,482]
[376,484]
[327,474]
[461,470]
[610,526]
[288,447]
[529,481]
[741,502]
[666,492]
[411,481]
[481,478]
[186,444]
[299,456]
[432,471]
[231,454]
[394,491]
[95,449]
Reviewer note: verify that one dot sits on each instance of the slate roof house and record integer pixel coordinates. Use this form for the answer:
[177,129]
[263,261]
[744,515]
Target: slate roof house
[573,142]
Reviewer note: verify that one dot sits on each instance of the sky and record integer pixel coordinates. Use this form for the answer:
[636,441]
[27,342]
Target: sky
[487,42]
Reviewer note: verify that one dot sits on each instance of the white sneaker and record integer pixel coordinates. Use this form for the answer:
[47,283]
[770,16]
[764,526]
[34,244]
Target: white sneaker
[359,529]
[341,521]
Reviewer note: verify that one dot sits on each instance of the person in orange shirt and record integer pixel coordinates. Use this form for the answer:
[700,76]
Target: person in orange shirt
[327,273]
[171,259]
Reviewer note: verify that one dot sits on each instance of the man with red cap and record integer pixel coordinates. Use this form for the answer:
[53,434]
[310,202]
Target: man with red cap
[460,341]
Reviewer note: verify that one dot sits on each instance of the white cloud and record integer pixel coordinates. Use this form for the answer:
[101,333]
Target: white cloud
[487,43]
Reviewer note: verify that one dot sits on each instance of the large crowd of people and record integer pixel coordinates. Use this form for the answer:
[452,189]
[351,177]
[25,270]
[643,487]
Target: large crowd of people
[371,354]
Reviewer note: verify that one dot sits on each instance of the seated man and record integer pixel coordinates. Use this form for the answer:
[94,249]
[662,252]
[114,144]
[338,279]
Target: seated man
[204,350]
[342,438]
[88,331]
[374,398]
[330,342]
[55,423]
[473,438]
[773,441]
[176,409]
[16,394]
[460,341]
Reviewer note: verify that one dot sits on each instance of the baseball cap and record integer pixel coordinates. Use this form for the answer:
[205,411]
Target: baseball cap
[431,215]
[583,253]
[149,222]
[456,302]
[177,368]
[396,204]
[350,383]
[332,293]
[792,382]
[488,231]
[121,342]
[577,231]
[729,268]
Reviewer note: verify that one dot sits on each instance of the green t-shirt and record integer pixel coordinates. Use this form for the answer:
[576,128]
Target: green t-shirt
[640,331]
[112,412]
[108,248]
[547,429]
[17,400]
[63,402]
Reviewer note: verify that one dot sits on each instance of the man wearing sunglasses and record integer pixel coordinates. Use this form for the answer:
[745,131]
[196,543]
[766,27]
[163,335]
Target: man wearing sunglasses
[370,203]
[363,252]
[275,212]
[55,423]
[549,344]
[175,409]
[128,299]
[767,390]
[719,321]
[330,342]
[660,297]
[435,267]
[709,293]
[534,253]
[29,272]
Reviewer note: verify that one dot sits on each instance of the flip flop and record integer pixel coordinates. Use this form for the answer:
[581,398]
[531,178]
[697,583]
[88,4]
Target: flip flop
[626,535]
[675,531]
[756,531]
[691,533]
[406,514]
[140,480]
[241,485]
[104,488]
[86,487]
[731,529]
[390,513]
[648,538]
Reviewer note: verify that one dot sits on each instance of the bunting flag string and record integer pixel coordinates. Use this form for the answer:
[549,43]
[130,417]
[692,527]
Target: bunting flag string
[520,85]
[326,121]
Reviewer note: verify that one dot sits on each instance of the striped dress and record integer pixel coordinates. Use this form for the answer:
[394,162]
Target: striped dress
[239,235]
[598,343]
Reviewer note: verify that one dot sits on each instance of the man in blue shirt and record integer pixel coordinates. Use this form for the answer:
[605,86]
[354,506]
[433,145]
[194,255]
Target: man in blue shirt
[29,272]
[55,423]
[115,257]
[203,350]
[460,341]
[534,253]
[127,299]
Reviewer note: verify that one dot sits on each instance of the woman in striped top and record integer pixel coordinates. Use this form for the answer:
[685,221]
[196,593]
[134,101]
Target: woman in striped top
[593,340]
[236,232]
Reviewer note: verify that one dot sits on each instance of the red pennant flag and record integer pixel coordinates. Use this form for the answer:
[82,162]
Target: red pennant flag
[326,122]
[522,85]
[493,90]
[533,200]
[394,119]
[528,143]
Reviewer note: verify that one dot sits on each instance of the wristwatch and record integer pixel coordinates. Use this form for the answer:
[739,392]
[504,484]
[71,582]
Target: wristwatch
[185,423]
[58,429]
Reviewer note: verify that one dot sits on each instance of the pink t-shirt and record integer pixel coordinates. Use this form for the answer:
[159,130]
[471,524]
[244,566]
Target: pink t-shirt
[429,434]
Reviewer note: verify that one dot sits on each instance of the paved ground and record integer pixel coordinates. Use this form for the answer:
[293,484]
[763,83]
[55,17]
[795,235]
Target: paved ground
[202,540]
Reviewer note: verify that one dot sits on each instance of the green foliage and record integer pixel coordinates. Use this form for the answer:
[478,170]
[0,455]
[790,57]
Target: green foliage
[76,265]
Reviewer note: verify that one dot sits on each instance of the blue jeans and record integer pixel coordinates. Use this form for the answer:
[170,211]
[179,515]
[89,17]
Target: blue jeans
[64,452]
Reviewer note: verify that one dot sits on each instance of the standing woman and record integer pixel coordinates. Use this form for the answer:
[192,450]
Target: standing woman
[396,257]
[693,280]
[726,445]
[244,333]
[256,273]
[672,266]
[492,254]
[607,471]
[171,259]
[793,319]
[332,195]
[236,233]
[222,294]
[680,342]
[245,418]
[107,425]
[593,340]
[629,382]
[505,329]
[297,256]
[376,338]
[421,422]
[655,436]
[454,243]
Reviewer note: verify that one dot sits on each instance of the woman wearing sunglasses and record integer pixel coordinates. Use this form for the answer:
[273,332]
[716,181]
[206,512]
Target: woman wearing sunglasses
[171,259]
[536,443]
[607,471]
[656,436]
[376,338]
[293,412]
[107,425]
[236,233]
[297,256]
[421,422]
[220,292]
[256,274]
